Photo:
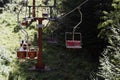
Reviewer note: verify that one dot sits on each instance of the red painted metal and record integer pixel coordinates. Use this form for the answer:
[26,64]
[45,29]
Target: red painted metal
[40,64]
[21,54]
[34,14]
[25,23]
[73,40]
[32,54]
[73,44]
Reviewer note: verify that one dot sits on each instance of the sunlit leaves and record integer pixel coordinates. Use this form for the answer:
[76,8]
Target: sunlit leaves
[104,24]
[110,31]
[5,60]
[105,12]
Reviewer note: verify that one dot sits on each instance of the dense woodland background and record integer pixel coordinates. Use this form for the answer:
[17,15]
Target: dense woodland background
[99,58]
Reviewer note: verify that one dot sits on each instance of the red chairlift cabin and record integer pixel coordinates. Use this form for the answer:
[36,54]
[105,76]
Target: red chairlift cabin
[21,54]
[52,40]
[25,23]
[24,52]
[27,54]
[32,54]
[73,40]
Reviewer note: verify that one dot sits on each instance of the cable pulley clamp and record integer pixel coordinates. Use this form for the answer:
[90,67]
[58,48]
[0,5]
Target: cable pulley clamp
[40,25]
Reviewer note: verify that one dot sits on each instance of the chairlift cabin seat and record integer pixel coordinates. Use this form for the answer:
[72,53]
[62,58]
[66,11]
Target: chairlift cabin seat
[32,54]
[21,54]
[25,52]
[52,41]
[73,41]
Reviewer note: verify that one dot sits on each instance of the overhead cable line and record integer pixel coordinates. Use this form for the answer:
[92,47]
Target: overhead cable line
[74,9]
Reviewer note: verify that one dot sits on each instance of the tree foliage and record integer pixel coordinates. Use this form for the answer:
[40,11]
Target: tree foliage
[110,31]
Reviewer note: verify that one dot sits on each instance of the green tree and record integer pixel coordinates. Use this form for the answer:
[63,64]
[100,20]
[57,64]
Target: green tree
[110,32]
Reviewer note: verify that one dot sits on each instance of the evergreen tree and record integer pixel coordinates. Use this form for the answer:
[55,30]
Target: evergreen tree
[110,31]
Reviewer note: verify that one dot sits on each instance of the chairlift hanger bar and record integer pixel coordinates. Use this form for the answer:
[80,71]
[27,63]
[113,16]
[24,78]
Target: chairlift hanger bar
[23,30]
[79,21]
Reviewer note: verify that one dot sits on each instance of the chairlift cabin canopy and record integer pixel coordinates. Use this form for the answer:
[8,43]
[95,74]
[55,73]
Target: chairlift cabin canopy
[73,40]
